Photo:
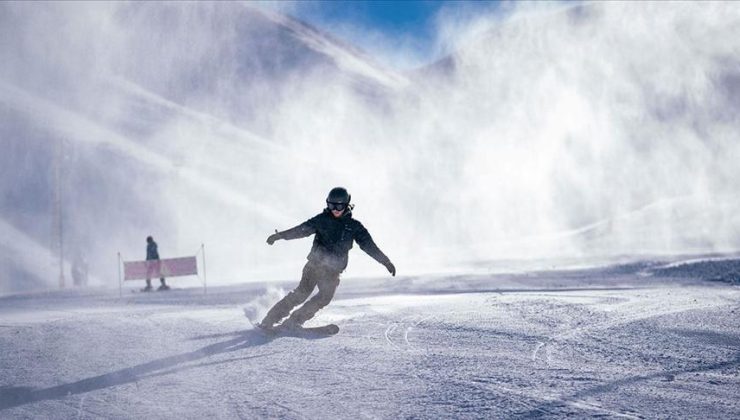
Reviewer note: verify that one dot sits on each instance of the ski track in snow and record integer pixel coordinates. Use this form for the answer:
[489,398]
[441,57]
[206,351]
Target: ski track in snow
[571,333]
[562,346]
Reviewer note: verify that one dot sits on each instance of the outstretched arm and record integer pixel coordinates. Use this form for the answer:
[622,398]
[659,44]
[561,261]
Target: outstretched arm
[306,228]
[367,244]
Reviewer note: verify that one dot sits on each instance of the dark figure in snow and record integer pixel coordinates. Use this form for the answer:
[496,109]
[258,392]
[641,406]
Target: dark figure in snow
[334,231]
[79,270]
[152,257]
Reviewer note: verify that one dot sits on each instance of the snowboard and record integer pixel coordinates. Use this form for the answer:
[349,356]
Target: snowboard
[324,330]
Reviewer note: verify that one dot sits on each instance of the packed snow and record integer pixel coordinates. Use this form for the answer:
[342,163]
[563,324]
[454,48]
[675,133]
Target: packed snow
[615,342]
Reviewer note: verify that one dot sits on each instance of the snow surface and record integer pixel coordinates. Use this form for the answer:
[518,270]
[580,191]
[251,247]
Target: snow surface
[616,342]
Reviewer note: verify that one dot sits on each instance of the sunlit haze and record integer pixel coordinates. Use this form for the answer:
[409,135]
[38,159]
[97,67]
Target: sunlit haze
[545,131]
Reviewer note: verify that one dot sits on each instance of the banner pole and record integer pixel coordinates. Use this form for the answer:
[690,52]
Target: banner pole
[205,278]
[120,287]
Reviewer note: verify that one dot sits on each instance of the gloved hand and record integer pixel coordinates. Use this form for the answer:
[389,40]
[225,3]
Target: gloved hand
[272,238]
[391,268]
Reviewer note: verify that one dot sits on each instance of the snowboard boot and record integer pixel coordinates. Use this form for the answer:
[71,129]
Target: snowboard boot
[163,286]
[267,323]
[264,325]
[148,287]
[291,324]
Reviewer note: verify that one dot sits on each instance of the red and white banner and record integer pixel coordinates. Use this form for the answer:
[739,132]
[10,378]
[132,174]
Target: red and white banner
[154,269]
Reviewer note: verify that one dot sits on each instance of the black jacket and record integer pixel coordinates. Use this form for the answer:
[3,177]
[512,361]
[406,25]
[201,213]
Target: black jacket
[334,237]
[151,251]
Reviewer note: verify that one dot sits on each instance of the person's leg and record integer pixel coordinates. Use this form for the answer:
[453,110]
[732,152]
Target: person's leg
[150,270]
[327,282]
[281,309]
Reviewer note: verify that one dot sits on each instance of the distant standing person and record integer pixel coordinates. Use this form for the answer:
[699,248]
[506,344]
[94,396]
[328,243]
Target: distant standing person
[79,270]
[153,267]
[335,230]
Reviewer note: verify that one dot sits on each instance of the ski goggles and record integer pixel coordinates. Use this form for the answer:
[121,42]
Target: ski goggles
[336,206]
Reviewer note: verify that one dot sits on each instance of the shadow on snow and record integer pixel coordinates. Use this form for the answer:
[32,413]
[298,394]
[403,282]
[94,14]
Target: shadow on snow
[17,396]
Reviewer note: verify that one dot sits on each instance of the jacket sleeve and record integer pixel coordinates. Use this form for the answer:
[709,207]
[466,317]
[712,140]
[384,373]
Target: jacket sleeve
[363,238]
[306,228]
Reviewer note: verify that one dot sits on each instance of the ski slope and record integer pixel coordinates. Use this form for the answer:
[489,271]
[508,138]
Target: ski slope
[612,342]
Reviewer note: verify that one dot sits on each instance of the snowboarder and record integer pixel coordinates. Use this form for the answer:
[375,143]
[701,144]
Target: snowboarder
[153,267]
[334,230]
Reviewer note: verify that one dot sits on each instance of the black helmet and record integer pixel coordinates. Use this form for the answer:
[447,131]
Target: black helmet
[338,195]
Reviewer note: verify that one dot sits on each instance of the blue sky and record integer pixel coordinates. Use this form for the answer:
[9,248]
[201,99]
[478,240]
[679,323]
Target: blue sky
[401,34]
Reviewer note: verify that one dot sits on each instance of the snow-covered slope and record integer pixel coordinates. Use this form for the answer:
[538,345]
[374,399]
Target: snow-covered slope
[600,342]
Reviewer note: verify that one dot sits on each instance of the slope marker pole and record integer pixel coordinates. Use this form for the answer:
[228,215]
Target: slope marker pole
[120,287]
[205,278]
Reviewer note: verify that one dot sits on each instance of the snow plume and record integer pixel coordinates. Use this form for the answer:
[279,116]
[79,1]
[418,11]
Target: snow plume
[257,308]
[600,129]
[597,129]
